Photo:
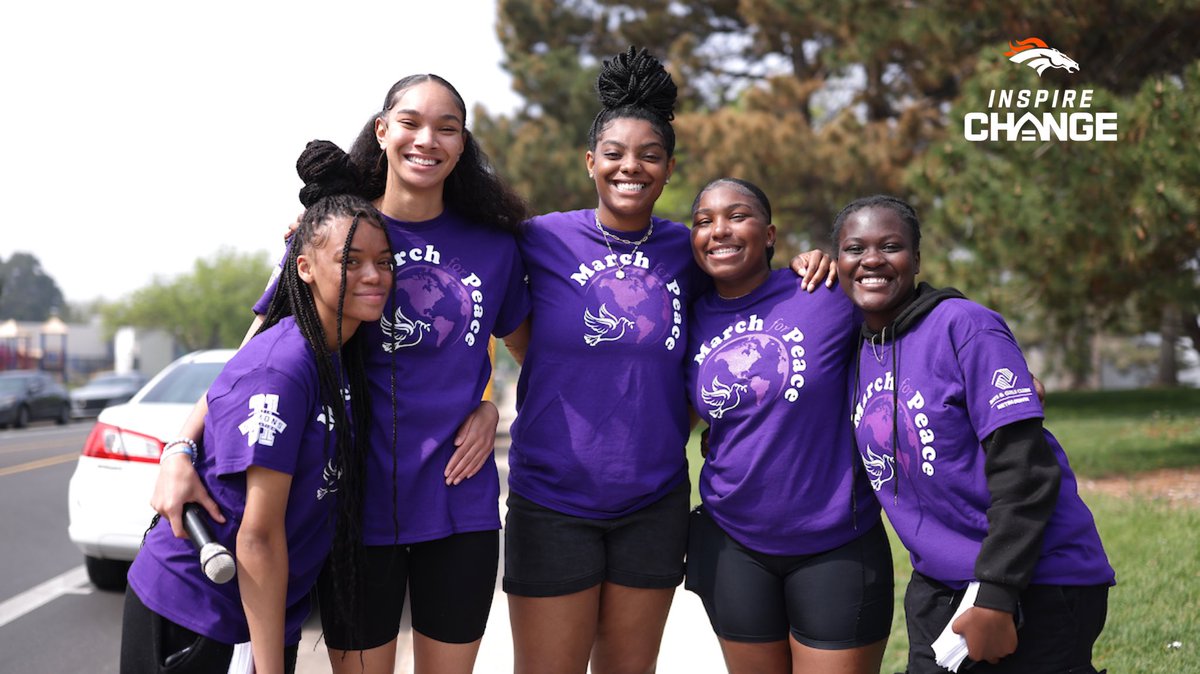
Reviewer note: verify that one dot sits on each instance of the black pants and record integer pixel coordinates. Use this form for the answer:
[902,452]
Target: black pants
[151,644]
[1060,625]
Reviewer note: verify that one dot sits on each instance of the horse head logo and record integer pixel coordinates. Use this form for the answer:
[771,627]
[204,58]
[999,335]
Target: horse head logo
[1036,54]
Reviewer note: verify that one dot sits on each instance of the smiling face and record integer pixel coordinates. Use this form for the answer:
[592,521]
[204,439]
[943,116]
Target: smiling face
[631,166]
[730,237]
[423,135]
[368,275]
[877,264]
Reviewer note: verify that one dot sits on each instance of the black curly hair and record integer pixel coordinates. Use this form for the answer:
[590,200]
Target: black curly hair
[473,189]
[635,85]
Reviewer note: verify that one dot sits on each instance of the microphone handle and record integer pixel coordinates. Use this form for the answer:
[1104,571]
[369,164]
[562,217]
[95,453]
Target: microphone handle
[216,561]
[197,528]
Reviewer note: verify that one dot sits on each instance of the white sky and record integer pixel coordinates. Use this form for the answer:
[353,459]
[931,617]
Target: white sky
[140,135]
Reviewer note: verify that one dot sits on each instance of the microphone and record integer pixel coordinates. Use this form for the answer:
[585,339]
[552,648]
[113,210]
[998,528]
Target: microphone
[215,559]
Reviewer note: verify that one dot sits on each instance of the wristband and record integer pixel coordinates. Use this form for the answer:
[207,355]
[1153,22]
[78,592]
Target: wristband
[180,446]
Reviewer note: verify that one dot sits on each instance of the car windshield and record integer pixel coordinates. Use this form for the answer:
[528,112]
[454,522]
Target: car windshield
[12,384]
[184,384]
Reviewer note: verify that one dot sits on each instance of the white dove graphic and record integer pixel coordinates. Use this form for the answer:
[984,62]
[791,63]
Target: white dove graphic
[879,468]
[722,398]
[331,475]
[607,328]
[403,331]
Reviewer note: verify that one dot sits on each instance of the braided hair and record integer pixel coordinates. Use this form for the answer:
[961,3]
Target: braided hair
[634,85]
[907,214]
[473,189]
[338,380]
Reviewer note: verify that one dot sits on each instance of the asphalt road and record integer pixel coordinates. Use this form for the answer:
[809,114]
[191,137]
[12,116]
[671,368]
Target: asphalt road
[52,619]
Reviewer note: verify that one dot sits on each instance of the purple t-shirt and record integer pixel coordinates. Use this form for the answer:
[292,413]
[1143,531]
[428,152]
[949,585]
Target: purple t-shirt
[961,376]
[456,283]
[264,409]
[769,373]
[602,418]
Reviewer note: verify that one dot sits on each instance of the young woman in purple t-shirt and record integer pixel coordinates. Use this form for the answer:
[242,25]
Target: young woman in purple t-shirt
[283,456]
[597,513]
[949,426]
[432,522]
[787,550]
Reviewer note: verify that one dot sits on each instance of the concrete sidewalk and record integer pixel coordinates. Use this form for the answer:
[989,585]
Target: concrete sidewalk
[689,646]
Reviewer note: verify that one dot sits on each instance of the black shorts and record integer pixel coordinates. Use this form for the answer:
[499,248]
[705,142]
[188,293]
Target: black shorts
[549,554]
[151,644]
[452,581]
[833,600]
[1059,625]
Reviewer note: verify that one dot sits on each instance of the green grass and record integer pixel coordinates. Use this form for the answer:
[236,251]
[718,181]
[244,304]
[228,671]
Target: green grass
[1156,553]
[1108,433]
[1154,548]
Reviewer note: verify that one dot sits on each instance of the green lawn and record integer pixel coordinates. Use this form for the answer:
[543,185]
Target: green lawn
[1155,549]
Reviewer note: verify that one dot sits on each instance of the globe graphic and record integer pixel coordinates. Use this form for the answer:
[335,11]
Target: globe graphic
[640,296]
[759,361]
[430,294]
[877,419]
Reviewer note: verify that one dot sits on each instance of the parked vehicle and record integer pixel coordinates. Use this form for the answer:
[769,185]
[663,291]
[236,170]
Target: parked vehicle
[109,493]
[105,390]
[30,395]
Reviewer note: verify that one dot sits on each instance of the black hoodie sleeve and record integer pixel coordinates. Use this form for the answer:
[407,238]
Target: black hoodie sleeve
[1023,478]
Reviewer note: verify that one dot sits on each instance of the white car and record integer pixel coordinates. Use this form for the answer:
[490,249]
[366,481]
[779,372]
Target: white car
[109,494]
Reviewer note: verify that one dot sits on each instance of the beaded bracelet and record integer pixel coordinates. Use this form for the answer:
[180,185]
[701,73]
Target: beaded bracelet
[180,446]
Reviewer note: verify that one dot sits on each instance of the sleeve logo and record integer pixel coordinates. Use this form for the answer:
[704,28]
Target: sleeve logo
[263,422]
[1004,379]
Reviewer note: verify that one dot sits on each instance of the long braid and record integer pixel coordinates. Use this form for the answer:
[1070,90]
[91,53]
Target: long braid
[348,433]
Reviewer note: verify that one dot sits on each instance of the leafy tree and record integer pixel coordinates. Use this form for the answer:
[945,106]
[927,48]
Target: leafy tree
[27,292]
[1083,238]
[821,102]
[205,309]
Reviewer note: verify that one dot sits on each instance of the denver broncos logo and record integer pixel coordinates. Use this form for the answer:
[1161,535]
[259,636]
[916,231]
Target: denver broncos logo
[1036,54]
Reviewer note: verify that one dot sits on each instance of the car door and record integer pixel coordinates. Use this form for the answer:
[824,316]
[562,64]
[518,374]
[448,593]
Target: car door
[42,393]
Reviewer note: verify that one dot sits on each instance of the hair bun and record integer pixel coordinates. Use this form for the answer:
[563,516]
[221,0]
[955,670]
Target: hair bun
[635,78]
[326,170]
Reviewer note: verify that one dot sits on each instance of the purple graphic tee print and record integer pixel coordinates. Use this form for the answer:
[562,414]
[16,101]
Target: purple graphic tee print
[601,409]
[769,372]
[959,375]
[456,284]
[264,410]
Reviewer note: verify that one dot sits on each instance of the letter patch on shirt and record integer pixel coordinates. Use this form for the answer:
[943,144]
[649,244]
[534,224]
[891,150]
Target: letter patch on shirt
[263,422]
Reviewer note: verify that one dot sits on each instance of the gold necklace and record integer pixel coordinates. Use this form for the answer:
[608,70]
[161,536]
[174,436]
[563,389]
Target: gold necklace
[604,233]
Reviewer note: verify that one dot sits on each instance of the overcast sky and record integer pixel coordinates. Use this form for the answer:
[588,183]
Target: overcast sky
[138,135]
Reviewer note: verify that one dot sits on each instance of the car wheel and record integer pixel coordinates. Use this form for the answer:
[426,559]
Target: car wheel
[64,415]
[22,417]
[107,574]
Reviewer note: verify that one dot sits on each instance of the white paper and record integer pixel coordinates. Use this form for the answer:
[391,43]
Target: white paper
[950,649]
[243,659]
